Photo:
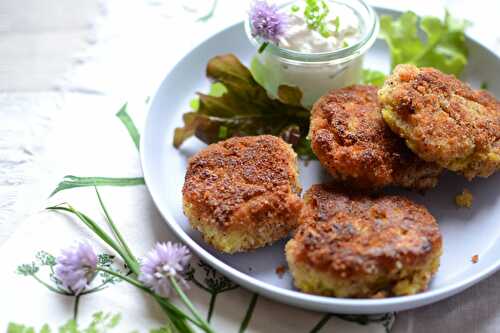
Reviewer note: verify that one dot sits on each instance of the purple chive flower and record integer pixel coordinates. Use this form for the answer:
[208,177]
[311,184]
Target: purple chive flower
[76,267]
[161,263]
[266,21]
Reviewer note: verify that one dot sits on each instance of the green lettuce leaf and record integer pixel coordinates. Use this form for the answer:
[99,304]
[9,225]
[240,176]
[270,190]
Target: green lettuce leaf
[443,47]
[373,77]
[243,108]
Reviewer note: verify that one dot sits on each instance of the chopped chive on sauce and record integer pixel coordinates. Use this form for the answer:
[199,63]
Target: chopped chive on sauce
[295,8]
[484,85]
[336,23]
[315,15]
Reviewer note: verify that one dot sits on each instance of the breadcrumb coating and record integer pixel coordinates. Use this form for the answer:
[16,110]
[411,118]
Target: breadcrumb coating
[443,120]
[352,141]
[464,199]
[354,245]
[243,193]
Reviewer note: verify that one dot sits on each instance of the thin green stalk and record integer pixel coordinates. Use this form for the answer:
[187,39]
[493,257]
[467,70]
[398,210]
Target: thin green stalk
[210,13]
[66,209]
[262,47]
[129,124]
[48,286]
[160,300]
[176,316]
[228,289]
[75,307]
[86,220]
[117,234]
[171,310]
[70,182]
[248,315]
[97,230]
[180,325]
[213,297]
[95,289]
[125,278]
[200,285]
[206,327]
[321,323]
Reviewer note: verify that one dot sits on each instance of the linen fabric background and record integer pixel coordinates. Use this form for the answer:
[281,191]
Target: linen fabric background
[73,130]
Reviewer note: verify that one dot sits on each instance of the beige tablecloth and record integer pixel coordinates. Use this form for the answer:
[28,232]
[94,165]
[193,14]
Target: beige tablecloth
[134,45]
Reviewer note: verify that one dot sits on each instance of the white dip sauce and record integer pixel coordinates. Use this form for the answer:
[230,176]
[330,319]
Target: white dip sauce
[314,79]
[300,38]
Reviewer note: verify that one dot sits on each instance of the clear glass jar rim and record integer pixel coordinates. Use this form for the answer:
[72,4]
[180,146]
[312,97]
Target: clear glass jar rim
[341,55]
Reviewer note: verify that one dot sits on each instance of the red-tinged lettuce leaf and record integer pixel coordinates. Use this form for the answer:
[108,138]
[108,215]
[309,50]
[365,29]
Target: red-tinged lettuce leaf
[243,108]
[181,134]
[237,79]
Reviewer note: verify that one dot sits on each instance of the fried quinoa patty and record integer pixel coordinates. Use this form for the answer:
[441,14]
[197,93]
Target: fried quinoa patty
[351,140]
[443,120]
[353,245]
[243,193]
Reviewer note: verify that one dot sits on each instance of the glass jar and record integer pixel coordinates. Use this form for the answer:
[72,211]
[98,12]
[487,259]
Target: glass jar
[316,73]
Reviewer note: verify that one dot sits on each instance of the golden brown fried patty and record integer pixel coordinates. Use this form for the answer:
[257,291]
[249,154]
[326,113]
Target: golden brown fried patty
[351,140]
[353,245]
[243,193]
[443,120]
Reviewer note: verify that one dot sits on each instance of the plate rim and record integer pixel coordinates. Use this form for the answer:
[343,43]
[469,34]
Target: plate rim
[295,297]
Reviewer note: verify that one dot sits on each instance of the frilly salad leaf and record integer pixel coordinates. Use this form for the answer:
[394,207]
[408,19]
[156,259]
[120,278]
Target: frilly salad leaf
[443,47]
[373,77]
[239,106]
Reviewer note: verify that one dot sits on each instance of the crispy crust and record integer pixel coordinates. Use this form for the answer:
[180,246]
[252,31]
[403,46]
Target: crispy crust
[243,193]
[443,120]
[353,143]
[365,245]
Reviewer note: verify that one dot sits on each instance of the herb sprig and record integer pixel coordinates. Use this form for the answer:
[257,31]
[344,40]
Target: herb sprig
[45,260]
[180,320]
[315,14]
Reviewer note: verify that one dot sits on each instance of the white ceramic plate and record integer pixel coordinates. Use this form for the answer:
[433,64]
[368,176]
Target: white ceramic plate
[466,232]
